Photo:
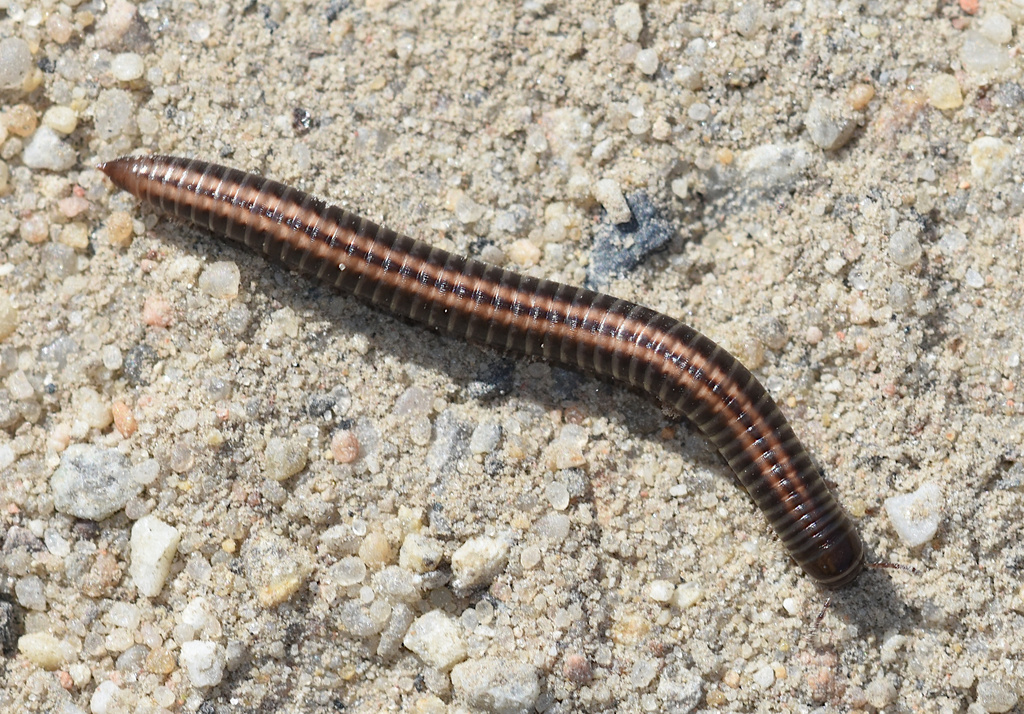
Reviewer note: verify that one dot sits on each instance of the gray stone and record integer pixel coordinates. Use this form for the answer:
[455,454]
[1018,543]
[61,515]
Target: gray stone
[92,482]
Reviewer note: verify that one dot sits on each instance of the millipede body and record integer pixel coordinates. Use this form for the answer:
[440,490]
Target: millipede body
[567,325]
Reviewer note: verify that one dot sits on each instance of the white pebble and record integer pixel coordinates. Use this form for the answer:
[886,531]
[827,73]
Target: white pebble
[29,591]
[203,661]
[991,160]
[15,61]
[557,495]
[105,700]
[904,248]
[46,150]
[420,553]
[42,649]
[127,66]
[764,677]
[154,545]
[437,640]
[995,27]
[285,457]
[61,119]
[699,111]
[880,692]
[478,561]
[981,56]
[916,516]
[497,685]
[628,20]
[661,590]
[220,280]
[974,279]
[995,696]
[647,61]
[485,438]
[92,482]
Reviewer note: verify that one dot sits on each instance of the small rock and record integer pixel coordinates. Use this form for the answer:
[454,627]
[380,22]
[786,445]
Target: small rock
[114,114]
[991,160]
[880,692]
[995,696]
[285,457]
[154,545]
[679,689]
[203,661]
[61,119]
[916,516]
[437,640]
[127,66]
[29,591]
[828,125]
[478,561]
[46,150]
[497,685]
[107,699]
[944,92]
[220,280]
[609,195]
[647,61]
[979,55]
[15,61]
[904,248]
[92,482]
[42,649]
[628,20]
[420,553]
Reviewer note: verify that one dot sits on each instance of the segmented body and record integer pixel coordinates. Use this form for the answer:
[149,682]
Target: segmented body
[567,325]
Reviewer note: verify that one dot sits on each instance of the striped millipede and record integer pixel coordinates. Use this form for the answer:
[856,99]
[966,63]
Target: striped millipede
[597,333]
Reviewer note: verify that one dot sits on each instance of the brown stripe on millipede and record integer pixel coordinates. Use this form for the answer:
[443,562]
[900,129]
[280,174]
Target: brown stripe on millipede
[572,326]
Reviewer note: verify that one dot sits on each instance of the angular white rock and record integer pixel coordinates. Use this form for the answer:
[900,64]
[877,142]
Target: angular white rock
[154,544]
[478,561]
[916,516]
[497,685]
[204,662]
[437,640]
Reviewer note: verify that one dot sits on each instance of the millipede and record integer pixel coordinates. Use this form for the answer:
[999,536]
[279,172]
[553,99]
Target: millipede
[571,326]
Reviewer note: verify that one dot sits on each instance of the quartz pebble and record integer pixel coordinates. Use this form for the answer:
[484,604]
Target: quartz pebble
[628,20]
[436,639]
[46,150]
[42,649]
[220,280]
[153,546]
[15,61]
[478,561]
[979,55]
[127,66]
[944,92]
[828,125]
[904,248]
[204,662]
[113,114]
[285,457]
[647,61]
[61,119]
[420,553]
[995,696]
[991,160]
[92,482]
[679,689]
[916,516]
[497,685]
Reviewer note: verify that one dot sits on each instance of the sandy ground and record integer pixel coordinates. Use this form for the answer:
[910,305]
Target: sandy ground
[831,190]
